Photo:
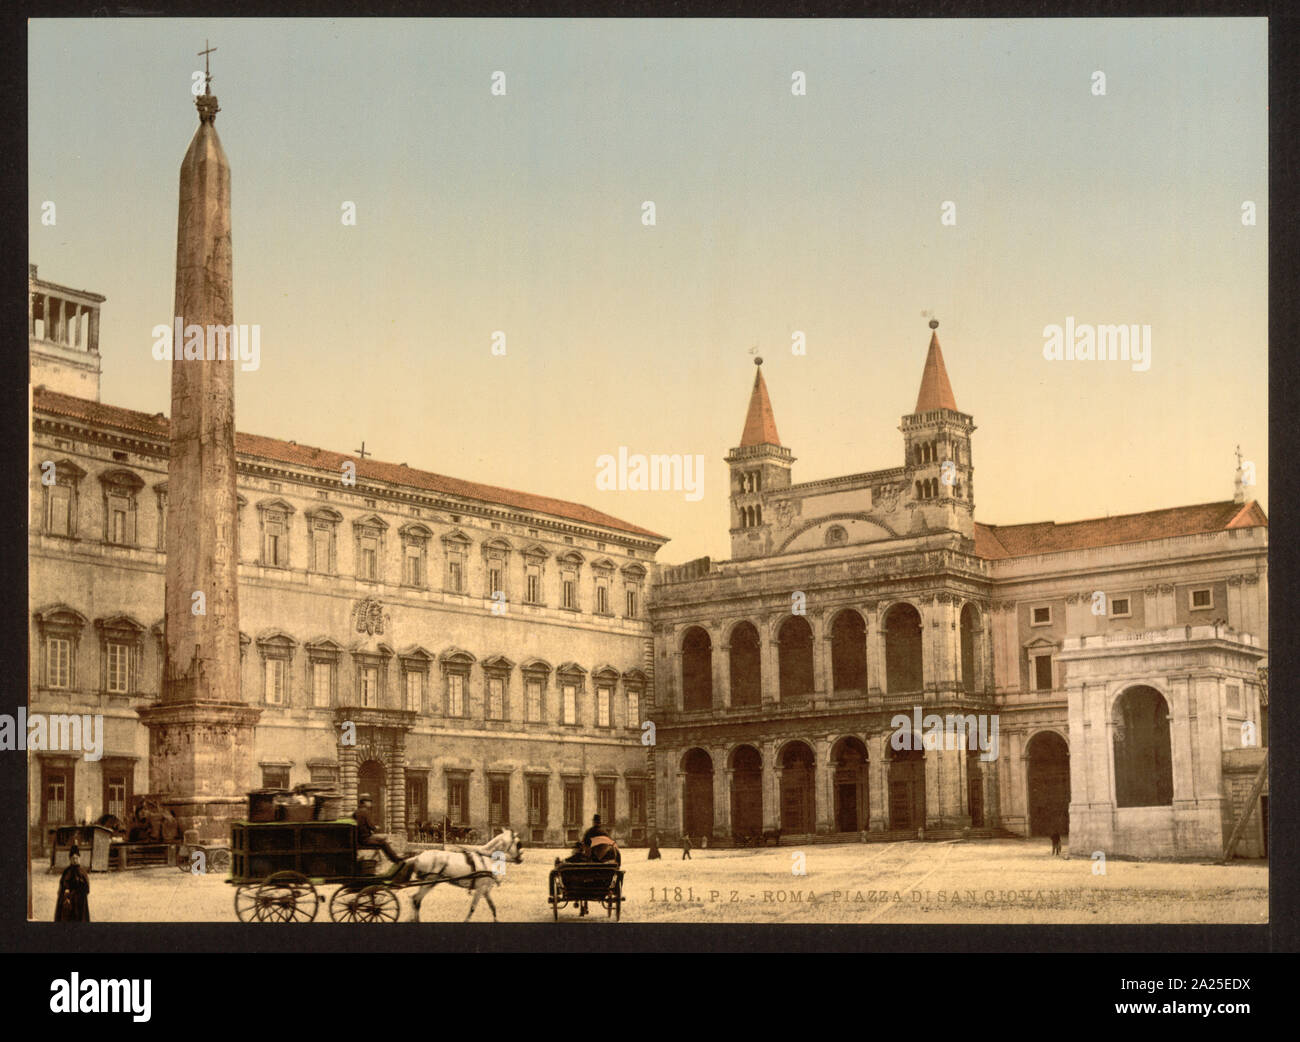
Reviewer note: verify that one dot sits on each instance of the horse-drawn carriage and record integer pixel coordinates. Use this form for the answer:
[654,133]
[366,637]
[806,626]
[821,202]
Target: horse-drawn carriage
[578,883]
[276,868]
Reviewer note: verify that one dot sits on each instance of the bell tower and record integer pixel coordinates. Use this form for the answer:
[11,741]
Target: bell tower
[937,451]
[760,464]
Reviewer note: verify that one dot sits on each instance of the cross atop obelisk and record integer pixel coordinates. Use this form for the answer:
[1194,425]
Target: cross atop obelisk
[207,101]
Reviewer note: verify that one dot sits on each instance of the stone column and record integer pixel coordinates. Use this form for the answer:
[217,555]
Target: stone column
[876,677]
[721,794]
[397,785]
[348,776]
[93,341]
[878,782]
[721,674]
[823,781]
[821,675]
[771,667]
[681,801]
[674,681]
[771,797]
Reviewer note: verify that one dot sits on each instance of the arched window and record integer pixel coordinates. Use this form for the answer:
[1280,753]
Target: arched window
[903,649]
[969,625]
[697,669]
[795,658]
[849,652]
[746,666]
[1144,775]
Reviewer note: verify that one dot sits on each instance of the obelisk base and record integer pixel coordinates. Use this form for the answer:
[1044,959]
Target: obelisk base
[201,762]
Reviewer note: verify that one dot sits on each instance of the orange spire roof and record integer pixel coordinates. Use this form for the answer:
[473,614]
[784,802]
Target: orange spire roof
[936,391]
[760,422]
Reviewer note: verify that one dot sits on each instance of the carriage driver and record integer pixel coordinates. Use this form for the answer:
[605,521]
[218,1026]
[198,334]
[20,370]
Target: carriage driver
[368,837]
[597,840]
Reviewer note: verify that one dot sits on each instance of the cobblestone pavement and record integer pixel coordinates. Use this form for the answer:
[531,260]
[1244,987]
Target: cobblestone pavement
[982,881]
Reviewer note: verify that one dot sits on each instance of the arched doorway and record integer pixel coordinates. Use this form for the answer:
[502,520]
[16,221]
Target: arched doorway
[746,666]
[849,652]
[849,760]
[697,669]
[902,649]
[697,793]
[1048,782]
[371,782]
[906,789]
[798,777]
[796,658]
[1144,772]
[746,792]
[969,624]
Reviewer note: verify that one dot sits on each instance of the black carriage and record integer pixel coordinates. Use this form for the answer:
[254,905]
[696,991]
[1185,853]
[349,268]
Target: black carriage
[277,866]
[579,883]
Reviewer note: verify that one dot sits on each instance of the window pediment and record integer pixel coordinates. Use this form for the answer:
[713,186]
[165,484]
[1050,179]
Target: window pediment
[1041,644]
[416,651]
[124,480]
[277,505]
[571,669]
[537,552]
[497,664]
[415,530]
[635,676]
[606,672]
[457,657]
[458,538]
[60,615]
[371,521]
[324,645]
[66,472]
[120,625]
[326,514]
[537,666]
[268,639]
[633,572]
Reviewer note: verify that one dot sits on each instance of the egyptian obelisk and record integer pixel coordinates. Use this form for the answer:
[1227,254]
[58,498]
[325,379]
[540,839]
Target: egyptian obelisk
[201,731]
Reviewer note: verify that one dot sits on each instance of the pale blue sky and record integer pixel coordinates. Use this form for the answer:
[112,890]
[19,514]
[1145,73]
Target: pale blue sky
[775,213]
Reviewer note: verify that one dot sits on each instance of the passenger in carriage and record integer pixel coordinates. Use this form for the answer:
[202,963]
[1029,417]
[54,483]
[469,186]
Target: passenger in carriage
[599,842]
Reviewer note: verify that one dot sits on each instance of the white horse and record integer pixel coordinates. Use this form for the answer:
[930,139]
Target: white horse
[478,869]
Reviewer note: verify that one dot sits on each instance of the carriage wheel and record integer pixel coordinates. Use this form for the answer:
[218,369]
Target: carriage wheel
[343,905]
[555,896]
[377,904]
[288,897]
[219,858]
[472,836]
[618,899]
[247,910]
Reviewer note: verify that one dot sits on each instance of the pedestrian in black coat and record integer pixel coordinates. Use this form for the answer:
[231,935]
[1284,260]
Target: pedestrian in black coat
[73,903]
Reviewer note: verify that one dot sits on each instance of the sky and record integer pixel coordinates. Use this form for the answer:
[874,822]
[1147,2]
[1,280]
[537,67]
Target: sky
[774,213]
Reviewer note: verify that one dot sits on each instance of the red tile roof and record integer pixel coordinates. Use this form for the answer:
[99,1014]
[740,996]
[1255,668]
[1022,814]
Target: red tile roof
[936,391]
[1045,537]
[156,425]
[760,421]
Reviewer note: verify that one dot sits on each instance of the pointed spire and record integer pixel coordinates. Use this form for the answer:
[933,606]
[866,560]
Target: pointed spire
[760,422]
[936,391]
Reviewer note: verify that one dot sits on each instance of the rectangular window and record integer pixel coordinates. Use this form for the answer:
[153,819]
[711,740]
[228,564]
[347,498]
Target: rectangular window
[414,564]
[1042,672]
[455,695]
[570,599]
[417,797]
[369,557]
[322,550]
[636,803]
[1234,696]
[605,802]
[58,663]
[115,790]
[572,805]
[537,803]
[370,687]
[276,668]
[457,804]
[603,697]
[570,704]
[499,801]
[495,585]
[634,709]
[1202,599]
[275,777]
[602,599]
[59,520]
[534,690]
[534,595]
[119,514]
[1119,607]
[631,602]
[322,684]
[56,797]
[1042,616]
[277,550]
[117,675]
[455,576]
[414,691]
[496,707]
